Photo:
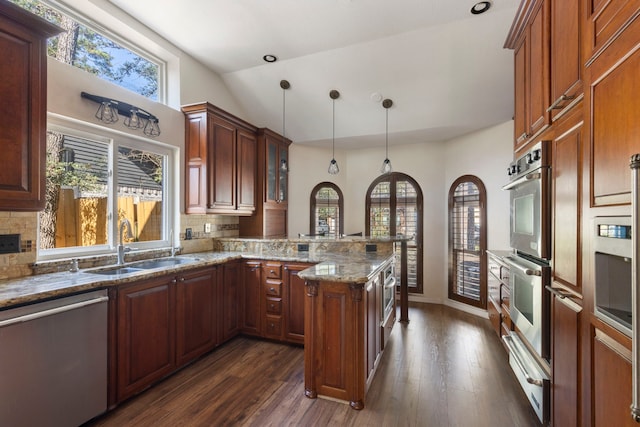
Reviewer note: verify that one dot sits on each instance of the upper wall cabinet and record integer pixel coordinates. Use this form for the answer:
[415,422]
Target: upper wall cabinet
[614,96]
[566,62]
[221,162]
[270,218]
[605,21]
[23,89]
[529,37]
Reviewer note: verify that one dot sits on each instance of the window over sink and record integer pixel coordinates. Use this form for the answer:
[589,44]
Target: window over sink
[94,182]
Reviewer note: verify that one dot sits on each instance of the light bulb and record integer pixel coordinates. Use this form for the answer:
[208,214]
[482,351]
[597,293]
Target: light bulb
[386,166]
[333,167]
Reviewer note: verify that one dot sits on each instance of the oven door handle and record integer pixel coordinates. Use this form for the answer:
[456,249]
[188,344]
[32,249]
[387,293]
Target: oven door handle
[391,283]
[524,269]
[513,351]
[526,178]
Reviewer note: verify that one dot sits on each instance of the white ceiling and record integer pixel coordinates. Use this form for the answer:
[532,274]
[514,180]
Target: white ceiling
[444,68]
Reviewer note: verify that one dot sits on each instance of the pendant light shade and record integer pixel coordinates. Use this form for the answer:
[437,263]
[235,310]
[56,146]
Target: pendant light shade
[284,84]
[386,164]
[333,165]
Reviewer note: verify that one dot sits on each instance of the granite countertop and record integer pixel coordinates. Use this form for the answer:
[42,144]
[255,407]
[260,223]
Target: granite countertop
[329,267]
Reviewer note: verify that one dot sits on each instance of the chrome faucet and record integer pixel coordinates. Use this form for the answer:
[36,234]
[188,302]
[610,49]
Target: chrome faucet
[121,249]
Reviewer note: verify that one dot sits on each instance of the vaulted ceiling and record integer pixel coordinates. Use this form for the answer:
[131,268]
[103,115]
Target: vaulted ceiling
[444,68]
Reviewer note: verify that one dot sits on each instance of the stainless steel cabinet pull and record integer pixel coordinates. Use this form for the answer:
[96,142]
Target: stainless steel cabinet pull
[523,136]
[565,298]
[562,98]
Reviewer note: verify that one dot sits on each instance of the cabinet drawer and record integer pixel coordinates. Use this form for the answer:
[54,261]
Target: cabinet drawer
[494,316]
[273,288]
[273,271]
[274,306]
[505,296]
[273,326]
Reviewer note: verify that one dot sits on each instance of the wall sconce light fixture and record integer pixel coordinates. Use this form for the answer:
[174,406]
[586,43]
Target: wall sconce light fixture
[135,117]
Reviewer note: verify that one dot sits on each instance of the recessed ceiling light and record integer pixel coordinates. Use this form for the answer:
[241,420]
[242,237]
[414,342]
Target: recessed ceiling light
[270,58]
[480,7]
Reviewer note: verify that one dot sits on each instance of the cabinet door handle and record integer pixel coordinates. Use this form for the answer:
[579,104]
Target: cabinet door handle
[272,289]
[272,271]
[565,298]
[174,281]
[523,136]
[556,103]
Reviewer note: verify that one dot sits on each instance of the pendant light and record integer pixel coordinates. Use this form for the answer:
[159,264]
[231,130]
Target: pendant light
[386,164]
[333,165]
[284,84]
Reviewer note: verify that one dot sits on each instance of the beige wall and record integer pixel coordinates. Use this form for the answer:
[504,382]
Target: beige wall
[434,166]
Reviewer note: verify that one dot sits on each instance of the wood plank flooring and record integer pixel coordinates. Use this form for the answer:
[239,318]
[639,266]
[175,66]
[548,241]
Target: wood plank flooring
[445,368]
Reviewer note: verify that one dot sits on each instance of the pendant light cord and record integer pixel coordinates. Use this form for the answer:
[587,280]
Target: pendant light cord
[386,133]
[333,150]
[283,112]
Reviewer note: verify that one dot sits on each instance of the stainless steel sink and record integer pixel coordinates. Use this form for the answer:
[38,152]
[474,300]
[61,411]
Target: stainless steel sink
[142,266]
[163,263]
[116,271]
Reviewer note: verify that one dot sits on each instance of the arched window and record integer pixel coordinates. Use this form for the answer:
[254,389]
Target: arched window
[468,241]
[326,210]
[394,207]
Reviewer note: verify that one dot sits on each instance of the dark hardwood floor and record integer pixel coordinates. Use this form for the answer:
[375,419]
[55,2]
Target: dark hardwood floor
[445,368]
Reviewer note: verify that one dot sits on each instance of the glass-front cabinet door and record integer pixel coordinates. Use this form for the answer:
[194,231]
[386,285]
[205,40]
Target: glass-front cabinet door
[283,168]
[277,171]
[272,170]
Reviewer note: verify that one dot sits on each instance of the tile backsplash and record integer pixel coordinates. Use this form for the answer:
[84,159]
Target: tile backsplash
[26,224]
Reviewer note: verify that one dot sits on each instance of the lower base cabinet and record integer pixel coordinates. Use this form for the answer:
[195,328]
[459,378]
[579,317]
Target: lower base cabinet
[162,324]
[342,339]
[145,334]
[611,382]
[293,302]
[230,289]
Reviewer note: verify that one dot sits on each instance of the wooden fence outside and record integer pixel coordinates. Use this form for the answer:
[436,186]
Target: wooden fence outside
[83,221]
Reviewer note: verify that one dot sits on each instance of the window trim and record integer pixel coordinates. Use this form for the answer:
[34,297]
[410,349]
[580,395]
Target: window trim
[118,138]
[105,32]
[482,303]
[393,178]
[312,206]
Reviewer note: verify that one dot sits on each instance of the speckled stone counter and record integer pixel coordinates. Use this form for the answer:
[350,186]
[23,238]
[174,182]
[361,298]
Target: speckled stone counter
[337,267]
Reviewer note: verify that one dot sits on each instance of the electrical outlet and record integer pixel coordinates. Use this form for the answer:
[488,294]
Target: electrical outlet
[188,235]
[9,243]
[207,228]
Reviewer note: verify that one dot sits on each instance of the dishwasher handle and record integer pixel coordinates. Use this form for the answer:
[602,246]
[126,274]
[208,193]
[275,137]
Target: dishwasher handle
[51,311]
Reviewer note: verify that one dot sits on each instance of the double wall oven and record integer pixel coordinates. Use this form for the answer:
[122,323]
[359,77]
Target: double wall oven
[530,274]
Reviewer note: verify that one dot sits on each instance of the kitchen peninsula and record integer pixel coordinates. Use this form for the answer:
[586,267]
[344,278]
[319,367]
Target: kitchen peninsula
[201,300]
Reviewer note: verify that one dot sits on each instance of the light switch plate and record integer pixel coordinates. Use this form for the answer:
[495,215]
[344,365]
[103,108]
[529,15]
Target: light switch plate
[207,228]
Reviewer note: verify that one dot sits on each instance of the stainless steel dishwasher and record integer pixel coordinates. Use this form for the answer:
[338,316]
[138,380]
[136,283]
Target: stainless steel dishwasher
[53,361]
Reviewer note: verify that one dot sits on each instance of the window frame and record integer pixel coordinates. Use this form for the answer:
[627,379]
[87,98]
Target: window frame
[116,139]
[393,178]
[91,24]
[312,206]
[452,265]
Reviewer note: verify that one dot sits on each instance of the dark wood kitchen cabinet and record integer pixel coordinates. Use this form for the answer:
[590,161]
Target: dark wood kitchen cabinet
[566,363]
[230,289]
[611,383]
[614,97]
[342,339]
[565,55]
[606,20]
[163,324]
[221,162]
[270,217]
[272,301]
[293,295]
[529,38]
[197,314]
[250,298]
[23,87]
[145,334]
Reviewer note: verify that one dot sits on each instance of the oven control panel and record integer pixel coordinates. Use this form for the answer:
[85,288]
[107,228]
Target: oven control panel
[533,159]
